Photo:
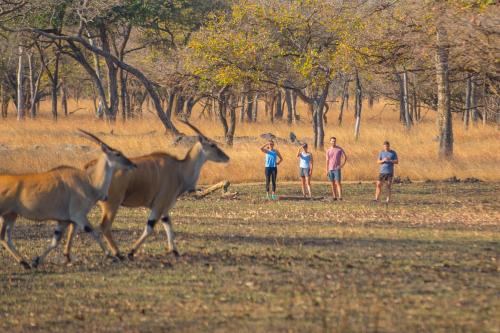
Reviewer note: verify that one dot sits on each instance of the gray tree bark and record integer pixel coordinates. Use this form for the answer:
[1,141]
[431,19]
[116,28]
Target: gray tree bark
[445,128]
[5,98]
[467,111]
[406,101]
[358,105]
[20,90]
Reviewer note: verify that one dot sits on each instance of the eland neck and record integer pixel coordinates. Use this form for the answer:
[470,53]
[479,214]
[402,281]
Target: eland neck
[100,176]
[191,168]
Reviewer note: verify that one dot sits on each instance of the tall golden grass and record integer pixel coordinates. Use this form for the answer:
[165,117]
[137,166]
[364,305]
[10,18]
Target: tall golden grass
[36,145]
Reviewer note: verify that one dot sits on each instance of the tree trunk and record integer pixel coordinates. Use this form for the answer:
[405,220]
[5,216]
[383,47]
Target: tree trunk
[179,104]
[249,107]
[443,93]
[123,93]
[358,105]
[255,108]
[345,96]
[20,90]
[188,107]
[473,103]
[64,98]
[290,109]
[98,76]
[468,103]
[171,101]
[232,120]
[279,109]
[5,98]
[221,112]
[112,75]
[55,85]
[406,101]
[401,98]
[94,75]
[318,108]
[33,86]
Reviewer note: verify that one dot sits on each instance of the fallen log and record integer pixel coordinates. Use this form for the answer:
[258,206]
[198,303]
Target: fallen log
[224,185]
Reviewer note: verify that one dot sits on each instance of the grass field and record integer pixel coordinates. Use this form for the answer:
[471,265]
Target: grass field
[429,262]
[43,144]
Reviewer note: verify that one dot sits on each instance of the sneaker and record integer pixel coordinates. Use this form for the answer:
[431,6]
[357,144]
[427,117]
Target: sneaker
[268,197]
[274,197]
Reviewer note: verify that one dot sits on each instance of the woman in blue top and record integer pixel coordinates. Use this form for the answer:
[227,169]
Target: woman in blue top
[305,169]
[273,159]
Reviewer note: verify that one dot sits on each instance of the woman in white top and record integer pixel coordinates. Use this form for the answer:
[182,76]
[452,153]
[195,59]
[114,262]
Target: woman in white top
[306,168]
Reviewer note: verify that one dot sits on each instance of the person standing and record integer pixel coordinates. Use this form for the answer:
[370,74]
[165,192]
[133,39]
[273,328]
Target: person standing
[273,159]
[305,169]
[386,159]
[335,161]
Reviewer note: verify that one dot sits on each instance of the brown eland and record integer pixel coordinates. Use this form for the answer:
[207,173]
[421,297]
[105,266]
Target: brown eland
[64,194]
[156,184]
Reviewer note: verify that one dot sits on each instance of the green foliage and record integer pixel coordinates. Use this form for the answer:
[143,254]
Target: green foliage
[302,42]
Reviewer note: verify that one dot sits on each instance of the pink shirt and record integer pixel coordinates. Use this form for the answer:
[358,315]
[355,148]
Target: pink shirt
[334,157]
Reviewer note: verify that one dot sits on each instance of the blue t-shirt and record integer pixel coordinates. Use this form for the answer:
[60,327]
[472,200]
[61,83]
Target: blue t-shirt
[271,159]
[305,160]
[387,167]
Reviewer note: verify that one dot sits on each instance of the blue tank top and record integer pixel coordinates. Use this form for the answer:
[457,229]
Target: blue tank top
[271,159]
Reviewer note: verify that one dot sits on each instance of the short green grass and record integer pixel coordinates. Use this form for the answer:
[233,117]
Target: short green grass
[429,262]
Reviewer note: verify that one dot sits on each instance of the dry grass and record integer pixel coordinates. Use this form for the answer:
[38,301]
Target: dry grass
[426,263]
[42,144]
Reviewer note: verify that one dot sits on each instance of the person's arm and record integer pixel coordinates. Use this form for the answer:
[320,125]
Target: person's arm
[298,152]
[326,162]
[345,159]
[264,149]
[395,160]
[311,164]
[280,159]
[380,160]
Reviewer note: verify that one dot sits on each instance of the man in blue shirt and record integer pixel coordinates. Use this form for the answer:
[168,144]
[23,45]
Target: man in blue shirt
[386,159]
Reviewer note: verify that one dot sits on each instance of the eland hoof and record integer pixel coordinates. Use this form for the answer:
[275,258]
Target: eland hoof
[176,253]
[35,262]
[25,264]
[130,256]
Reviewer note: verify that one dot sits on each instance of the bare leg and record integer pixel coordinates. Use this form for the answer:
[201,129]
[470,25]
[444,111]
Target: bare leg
[378,189]
[148,230]
[338,184]
[307,184]
[303,180]
[6,230]
[334,193]
[389,185]
[58,233]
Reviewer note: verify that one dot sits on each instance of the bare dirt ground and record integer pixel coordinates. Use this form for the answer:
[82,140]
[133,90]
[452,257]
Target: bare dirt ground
[429,262]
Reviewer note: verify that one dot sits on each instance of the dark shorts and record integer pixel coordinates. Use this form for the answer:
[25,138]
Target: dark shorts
[335,175]
[385,177]
[304,172]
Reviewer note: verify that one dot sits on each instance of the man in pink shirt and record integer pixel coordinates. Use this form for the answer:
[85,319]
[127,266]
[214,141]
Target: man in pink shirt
[335,160]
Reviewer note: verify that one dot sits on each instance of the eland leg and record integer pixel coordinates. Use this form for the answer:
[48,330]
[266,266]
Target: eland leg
[58,233]
[167,225]
[8,221]
[69,242]
[84,223]
[148,230]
